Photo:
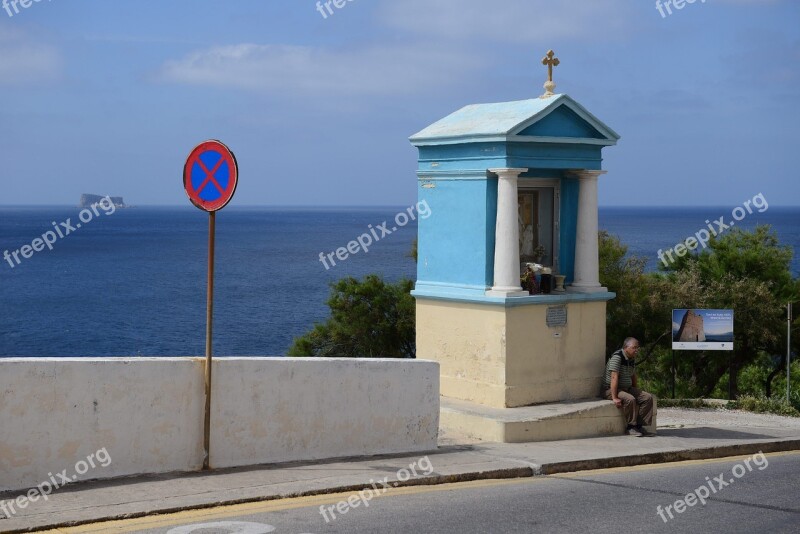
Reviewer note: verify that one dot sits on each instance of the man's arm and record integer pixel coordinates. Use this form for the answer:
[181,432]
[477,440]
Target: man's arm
[615,389]
[633,379]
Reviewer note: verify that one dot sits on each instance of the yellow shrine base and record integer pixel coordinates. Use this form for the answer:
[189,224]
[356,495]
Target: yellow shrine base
[516,352]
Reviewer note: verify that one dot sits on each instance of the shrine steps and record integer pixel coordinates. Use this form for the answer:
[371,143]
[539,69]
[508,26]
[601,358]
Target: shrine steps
[584,418]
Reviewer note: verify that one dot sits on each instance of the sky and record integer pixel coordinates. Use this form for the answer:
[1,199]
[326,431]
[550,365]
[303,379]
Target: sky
[109,97]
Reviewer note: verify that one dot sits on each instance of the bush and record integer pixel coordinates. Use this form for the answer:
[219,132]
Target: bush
[686,403]
[369,319]
[762,404]
[748,272]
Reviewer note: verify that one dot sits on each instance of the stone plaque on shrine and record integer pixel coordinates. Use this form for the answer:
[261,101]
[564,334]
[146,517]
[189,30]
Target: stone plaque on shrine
[556,316]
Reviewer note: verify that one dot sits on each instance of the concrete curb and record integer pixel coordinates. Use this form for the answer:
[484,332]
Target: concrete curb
[499,474]
[709,453]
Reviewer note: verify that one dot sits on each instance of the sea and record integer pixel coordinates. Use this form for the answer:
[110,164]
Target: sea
[132,282]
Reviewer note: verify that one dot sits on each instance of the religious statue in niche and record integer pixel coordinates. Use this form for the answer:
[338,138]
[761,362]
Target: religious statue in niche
[535,221]
[527,239]
[527,207]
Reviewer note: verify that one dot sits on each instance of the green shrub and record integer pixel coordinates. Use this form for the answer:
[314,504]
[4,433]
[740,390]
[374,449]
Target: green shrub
[762,404]
[370,318]
[686,403]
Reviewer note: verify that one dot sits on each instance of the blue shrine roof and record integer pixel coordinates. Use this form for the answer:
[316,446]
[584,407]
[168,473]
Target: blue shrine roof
[555,119]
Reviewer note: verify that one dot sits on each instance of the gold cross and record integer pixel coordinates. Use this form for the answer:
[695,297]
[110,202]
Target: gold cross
[551,62]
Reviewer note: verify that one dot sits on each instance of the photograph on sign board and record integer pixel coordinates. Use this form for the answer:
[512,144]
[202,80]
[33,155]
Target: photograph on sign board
[694,329]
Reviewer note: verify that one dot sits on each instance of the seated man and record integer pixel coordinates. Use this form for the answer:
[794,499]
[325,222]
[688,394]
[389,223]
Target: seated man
[619,385]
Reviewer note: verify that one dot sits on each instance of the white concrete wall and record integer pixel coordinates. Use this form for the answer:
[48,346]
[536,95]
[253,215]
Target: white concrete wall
[147,413]
[277,410]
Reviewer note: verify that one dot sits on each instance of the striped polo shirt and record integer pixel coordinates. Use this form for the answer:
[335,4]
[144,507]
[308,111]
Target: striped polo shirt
[619,363]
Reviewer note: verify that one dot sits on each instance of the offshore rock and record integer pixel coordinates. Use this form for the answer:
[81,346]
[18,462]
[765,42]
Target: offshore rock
[88,200]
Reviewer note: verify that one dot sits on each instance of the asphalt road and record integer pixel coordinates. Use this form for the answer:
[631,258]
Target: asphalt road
[745,494]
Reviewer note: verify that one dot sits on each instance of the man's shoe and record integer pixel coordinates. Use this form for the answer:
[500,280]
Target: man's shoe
[643,432]
[633,431]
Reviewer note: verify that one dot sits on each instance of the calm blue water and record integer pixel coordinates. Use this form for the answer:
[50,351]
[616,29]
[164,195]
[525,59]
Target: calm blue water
[646,230]
[133,282]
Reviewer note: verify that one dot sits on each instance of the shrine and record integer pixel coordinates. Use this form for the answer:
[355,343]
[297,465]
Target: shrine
[512,188]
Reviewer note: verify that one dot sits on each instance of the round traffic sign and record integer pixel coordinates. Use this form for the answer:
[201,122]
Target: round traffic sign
[210,175]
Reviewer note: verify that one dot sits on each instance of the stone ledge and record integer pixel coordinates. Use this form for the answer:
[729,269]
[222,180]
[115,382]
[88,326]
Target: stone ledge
[583,418]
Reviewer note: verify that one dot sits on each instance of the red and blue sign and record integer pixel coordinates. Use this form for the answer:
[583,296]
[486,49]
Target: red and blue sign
[210,175]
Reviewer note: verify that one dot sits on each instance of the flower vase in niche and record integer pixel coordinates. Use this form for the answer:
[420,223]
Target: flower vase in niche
[547,281]
[533,287]
[528,279]
[560,279]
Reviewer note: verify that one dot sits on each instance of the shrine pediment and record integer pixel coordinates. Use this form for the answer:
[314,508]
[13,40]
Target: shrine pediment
[557,119]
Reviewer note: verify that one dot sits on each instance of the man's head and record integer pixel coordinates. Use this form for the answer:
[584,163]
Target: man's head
[630,347]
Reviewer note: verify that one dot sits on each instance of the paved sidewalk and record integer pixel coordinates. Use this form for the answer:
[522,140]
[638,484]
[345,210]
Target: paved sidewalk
[683,435]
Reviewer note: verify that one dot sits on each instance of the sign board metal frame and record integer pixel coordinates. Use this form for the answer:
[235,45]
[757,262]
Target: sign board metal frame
[721,331]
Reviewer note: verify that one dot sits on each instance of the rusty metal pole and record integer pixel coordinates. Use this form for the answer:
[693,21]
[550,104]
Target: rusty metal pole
[788,352]
[209,324]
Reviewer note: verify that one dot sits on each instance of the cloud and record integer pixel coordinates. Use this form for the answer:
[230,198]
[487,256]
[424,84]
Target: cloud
[517,21]
[23,61]
[450,41]
[288,69]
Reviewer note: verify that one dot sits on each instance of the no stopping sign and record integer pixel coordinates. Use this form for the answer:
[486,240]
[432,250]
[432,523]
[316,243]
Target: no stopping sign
[210,175]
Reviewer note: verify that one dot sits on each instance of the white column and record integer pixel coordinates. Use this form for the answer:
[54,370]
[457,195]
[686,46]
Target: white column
[506,242]
[587,265]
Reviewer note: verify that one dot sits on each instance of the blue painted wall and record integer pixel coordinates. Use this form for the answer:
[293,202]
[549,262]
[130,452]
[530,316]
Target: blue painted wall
[562,122]
[456,243]
[570,187]
[491,228]
[553,156]
[482,156]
